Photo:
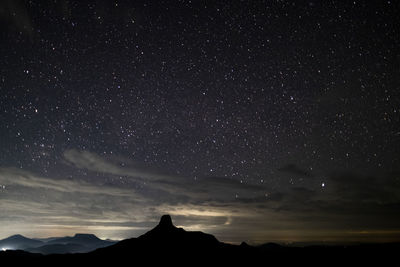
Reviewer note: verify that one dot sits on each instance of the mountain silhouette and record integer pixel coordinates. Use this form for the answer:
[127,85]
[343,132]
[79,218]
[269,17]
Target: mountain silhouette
[167,244]
[18,242]
[165,240]
[79,243]
[165,233]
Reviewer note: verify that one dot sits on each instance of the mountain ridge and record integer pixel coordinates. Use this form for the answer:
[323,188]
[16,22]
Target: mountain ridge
[167,244]
[18,242]
[79,243]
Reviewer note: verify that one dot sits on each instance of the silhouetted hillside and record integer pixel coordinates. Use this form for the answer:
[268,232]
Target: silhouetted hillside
[168,245]
[164,240]
[59,249]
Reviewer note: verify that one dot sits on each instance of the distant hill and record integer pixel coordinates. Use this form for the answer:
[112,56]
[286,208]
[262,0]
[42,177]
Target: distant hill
[77,238]
[80,243]
[18,242]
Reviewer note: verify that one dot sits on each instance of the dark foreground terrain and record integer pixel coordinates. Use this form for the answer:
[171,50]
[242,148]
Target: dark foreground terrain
[167,245]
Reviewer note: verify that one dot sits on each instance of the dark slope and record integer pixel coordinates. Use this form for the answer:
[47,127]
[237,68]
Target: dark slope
[60,249]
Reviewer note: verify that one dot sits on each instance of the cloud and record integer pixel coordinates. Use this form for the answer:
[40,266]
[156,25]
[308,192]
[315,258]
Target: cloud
[113,210]
[367,189]
[348,201]
[346,197]
[38,201]
[173,188]
[83,159]
[18,177]
[219,205]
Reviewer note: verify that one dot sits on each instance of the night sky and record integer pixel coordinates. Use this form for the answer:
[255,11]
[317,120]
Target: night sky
[256,121]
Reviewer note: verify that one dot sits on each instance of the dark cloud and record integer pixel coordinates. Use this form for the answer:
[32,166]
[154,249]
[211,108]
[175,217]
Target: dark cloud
[348,201]
[366,189]
[296,170]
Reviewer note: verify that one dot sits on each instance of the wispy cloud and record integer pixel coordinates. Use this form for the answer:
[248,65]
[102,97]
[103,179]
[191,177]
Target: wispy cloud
[179,188]
[18,177]
[296,170]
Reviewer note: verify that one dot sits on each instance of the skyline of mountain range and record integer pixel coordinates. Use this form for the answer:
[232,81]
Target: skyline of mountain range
[166,243]
[79,243]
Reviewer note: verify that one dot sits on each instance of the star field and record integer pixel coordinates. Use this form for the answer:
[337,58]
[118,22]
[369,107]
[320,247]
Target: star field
[223,110]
